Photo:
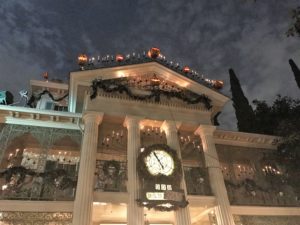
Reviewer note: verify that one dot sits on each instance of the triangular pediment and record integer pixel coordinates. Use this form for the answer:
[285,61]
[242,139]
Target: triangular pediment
[146,71]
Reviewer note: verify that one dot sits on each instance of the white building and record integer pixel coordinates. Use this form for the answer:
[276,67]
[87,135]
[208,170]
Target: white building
[132,142]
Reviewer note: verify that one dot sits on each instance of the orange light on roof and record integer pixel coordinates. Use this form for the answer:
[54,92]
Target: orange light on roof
[218,84]
[119,58]
[82,59]
[186,69]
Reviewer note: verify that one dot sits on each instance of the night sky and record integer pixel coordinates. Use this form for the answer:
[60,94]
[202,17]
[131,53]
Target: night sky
[210,36]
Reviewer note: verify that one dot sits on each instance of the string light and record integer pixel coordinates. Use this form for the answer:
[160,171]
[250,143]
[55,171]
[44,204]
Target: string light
[153,54]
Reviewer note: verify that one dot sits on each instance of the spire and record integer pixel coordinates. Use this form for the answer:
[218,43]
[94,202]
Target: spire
[243,110]
[296,71]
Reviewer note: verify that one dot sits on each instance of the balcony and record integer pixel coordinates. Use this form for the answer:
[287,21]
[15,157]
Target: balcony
[249,186]
[19,183]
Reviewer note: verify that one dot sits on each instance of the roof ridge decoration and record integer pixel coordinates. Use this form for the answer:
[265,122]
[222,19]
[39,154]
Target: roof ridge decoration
[148,88]
[153,55]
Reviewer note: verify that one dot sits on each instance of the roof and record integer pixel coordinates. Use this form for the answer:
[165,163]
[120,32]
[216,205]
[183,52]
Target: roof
[110,61]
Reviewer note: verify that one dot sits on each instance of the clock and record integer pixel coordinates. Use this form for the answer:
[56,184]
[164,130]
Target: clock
[159,162]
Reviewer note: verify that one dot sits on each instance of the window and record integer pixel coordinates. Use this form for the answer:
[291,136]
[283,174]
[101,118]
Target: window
[49,105]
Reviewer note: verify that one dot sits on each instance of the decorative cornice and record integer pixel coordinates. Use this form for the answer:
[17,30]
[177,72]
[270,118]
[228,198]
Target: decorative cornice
[37,117]
[265,211]
[235,138]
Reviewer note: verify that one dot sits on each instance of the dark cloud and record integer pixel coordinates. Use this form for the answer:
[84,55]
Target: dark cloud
[209,36]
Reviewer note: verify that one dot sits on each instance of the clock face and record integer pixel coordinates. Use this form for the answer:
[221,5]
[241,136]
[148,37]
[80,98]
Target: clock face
[159,162]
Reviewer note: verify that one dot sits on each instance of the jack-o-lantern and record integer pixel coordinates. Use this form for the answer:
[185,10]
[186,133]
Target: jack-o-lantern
[154,53]
[218,84]
[82,59]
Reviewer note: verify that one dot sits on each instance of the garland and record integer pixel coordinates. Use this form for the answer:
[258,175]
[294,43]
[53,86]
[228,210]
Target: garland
[111,163]
[143,170]
[119,85]
[33,98]
[49,176]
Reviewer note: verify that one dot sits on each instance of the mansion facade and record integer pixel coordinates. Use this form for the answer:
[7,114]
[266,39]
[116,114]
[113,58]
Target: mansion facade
[133,142]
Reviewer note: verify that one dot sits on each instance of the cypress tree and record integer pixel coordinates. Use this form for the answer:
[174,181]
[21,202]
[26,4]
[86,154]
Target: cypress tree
[243,110]
[296,71]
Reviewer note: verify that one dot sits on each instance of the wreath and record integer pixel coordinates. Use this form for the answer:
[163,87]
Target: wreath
[145,174]
[109,164]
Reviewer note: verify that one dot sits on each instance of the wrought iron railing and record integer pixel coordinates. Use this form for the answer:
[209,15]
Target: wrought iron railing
[250,192]
[111,176]
[19,183]
[197,182]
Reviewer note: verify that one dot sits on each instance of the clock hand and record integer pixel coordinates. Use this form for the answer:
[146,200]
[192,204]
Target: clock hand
[158,160]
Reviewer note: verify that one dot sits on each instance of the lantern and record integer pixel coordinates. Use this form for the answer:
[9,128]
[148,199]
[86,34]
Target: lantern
[119,58]
[82,59]
[218,84]
[154,53]
[186,69]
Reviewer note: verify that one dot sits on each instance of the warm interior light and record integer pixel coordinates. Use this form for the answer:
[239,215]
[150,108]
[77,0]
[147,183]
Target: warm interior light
[154,80]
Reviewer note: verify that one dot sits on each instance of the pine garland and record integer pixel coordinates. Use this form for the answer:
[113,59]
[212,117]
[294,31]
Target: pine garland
[119,85]
[33,98]
[49,176]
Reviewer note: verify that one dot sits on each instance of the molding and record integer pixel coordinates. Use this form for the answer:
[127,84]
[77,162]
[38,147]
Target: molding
[111,197]
[49,84]
[243,139]
[36,206]
[123,107]
[201,201]
[265,211]
[38,117]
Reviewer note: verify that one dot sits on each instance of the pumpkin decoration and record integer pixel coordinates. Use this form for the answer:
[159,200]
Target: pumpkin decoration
[218,84]
[119,58]
[82,59]
[154,53]
[186,69]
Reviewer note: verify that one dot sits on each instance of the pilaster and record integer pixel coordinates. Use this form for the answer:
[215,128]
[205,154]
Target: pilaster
[222,210]
[182,215]
[83,204]
[135,213]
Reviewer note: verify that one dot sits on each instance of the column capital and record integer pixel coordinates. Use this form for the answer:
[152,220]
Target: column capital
[132,120]
[169,125]
[92,116]
[205,130]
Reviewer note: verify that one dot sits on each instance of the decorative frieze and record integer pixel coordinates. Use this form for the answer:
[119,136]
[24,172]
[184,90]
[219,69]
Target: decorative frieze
[33,218]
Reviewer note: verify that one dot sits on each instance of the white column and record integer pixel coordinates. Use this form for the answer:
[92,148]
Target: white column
[222,210]
[182,215]
[135,213]
[83,204]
